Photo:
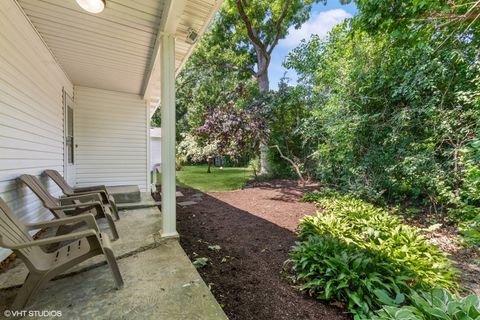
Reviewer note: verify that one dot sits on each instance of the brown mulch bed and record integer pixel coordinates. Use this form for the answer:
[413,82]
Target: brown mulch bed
[255,229]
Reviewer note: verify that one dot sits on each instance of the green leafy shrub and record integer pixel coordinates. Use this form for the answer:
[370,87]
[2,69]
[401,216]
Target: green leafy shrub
[435,304]
[179,162]
[470,230]
[318,195]
[387,121]
[369,227]
[329,268]
[463,213]
[467,213]
[364,256]
[254,164]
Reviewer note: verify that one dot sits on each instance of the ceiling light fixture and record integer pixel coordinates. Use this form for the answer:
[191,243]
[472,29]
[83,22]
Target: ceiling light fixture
[92,6]
[192,36]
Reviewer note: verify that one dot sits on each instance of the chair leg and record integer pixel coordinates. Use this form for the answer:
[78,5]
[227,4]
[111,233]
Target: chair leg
[112,263]
[33,284]
[112,226]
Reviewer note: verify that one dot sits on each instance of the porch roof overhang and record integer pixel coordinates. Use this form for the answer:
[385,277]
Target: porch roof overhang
[118,49]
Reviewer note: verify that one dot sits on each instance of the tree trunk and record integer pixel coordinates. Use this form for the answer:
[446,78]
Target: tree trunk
[294,165]
[209,160]
[264,86]
[264,165]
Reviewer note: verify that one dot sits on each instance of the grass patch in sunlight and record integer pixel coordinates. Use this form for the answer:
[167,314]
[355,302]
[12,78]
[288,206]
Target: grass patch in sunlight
[225,179]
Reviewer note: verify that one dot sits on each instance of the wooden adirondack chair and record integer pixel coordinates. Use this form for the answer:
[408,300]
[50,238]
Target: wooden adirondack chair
[107,199]
[60,207]
[44,266]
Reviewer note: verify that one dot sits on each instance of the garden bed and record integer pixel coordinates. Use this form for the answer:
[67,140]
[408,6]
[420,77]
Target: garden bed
[247,236]
[254,228]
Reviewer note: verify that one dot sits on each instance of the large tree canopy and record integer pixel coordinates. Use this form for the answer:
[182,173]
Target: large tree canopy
[259,25]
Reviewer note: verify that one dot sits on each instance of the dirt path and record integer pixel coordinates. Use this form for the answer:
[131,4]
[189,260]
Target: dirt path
[255,229]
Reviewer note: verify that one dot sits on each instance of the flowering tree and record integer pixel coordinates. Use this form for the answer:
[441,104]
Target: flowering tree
[194,150]
[238,125]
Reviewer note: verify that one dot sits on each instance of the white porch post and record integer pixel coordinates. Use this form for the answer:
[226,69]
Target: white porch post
[167,105]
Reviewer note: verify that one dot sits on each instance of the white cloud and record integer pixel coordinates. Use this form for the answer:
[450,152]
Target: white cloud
[320,24]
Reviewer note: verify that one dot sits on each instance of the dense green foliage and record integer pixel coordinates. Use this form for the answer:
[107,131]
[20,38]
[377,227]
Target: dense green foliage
[470,230]
[391,120]
[360,254]
[386,106]
[288,123]
[435,304]
[393,107]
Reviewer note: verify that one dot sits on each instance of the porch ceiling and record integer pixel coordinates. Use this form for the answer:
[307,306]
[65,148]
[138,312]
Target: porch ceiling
[110,50]
[118,49]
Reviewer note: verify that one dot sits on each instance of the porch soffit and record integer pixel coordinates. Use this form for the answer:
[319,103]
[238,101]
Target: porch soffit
[110,50]
[115,49]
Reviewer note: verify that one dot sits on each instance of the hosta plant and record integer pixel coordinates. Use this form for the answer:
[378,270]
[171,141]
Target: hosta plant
[364,256]
[369,227]
[328,268]
[435,304]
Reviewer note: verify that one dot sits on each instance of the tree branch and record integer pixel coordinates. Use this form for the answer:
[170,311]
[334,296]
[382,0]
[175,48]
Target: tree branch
[294,165]
[252,34]
[278,27]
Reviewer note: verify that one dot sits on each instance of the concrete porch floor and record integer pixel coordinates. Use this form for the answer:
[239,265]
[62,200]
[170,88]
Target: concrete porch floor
[160,280]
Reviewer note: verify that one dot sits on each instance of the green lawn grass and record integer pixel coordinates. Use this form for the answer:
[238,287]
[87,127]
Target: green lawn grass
[219,180]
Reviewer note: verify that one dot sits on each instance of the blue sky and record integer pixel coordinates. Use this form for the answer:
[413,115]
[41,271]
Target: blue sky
[322,19]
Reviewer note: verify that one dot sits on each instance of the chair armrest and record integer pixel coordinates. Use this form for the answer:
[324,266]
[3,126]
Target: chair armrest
[88,218]
[101,193]
[91,189]
[82,198]
[56,239]
[86,205]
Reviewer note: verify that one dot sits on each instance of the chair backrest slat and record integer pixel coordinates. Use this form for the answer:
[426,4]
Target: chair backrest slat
[11,229]
[60,181]
[34,184]
[13,232]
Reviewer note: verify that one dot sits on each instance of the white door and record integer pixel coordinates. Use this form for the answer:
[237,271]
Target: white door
[70,143]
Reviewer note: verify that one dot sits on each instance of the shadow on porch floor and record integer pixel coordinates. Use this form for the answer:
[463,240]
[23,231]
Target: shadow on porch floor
[160,281]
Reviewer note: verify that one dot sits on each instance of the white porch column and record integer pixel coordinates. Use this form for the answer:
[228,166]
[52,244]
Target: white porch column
[167,105]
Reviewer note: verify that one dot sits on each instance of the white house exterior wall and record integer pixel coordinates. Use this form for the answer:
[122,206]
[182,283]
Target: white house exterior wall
[31,112]
[111,133]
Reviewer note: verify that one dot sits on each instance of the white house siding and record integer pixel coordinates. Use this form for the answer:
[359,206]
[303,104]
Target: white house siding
[111,133]
[31,112]
[155,150]
[155,146]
